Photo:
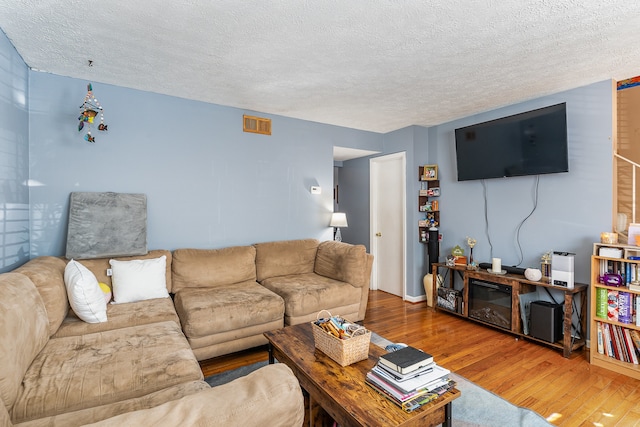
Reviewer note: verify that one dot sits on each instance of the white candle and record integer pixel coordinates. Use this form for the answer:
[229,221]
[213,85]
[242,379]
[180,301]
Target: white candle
[496,265]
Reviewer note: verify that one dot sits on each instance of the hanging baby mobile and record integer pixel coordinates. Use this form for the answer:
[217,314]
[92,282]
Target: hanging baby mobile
[89,110]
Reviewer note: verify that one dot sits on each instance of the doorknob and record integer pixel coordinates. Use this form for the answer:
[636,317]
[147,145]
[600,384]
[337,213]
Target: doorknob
[378,234]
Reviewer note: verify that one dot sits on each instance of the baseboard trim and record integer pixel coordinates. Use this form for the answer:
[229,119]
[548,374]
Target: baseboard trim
[416,299]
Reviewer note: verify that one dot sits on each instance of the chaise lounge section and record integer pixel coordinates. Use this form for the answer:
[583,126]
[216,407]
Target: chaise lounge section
[76,379]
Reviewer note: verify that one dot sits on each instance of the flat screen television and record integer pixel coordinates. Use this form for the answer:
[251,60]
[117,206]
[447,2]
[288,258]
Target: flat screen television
[530,143]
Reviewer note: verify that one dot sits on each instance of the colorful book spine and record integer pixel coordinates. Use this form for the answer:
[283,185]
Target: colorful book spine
[627,273]
[630,346]
[601,303]
[625,307]
[600,338]
[620,342]
[612,305]
[608,343]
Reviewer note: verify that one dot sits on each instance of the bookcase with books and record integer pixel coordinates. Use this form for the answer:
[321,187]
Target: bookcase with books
[614,318]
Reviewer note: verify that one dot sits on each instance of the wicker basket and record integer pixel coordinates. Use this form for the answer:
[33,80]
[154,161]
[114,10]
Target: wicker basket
[344,352]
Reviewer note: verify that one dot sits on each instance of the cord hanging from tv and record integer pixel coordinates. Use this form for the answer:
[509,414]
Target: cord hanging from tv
[530,143]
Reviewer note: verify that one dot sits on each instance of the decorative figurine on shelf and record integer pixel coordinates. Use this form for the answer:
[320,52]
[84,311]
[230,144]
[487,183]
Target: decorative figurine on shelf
[545,266]
[458,255]
[427,207]
[457,251]
[636,277]
[451,261]
[431,221]
[533,274]
[89,110]
[471,265]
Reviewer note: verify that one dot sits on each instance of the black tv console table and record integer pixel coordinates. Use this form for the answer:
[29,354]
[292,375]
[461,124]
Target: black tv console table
[519,285]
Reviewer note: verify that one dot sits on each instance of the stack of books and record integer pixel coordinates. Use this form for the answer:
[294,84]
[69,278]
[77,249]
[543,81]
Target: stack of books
[409,378]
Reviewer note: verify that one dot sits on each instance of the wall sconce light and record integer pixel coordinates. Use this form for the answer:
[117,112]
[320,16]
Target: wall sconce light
[338,219]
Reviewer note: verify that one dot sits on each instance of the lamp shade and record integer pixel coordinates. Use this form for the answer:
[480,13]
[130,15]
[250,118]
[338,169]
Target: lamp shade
[338,219]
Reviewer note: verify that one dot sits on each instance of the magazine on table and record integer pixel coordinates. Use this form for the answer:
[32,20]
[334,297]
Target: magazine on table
[402,395]
[409,385]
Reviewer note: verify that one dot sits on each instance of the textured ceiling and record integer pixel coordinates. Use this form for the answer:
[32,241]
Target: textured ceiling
[372,65]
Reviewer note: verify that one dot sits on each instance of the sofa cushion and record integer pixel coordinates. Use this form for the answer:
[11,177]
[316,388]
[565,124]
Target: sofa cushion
[122,316]
[198,268]
[232,341]
[97,413]
[207,311]
[24,331]
[85,296]
[270,396]
[306,294]
[74,373]
[342,261]
[139,279]
[47,273]
[100,266]
[285,257]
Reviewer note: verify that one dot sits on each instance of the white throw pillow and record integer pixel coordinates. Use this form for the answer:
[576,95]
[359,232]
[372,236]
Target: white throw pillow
[85,296]
[139,279]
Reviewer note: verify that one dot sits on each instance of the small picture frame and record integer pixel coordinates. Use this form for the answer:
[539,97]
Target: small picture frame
[430,173]
[433,192]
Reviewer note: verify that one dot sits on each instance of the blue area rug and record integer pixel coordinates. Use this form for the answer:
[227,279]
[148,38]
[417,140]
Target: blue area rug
[476,407]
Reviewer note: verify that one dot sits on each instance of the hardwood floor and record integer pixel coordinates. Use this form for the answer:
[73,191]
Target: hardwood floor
[568,392]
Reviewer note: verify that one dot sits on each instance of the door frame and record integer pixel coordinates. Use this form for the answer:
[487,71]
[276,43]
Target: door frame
[374,164]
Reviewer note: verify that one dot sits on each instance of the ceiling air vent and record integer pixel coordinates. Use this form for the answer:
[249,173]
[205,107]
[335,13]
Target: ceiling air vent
[256,125]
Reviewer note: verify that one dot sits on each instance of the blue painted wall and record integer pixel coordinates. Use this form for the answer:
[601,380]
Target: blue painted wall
[211,185]
[573,208]
[14,157]
[354,196]
[208,183]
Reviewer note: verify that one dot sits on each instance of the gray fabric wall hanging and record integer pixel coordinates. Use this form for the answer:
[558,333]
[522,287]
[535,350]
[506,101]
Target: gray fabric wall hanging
[106,224]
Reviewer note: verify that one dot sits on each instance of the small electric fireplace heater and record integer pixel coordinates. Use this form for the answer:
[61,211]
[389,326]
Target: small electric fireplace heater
[490,303]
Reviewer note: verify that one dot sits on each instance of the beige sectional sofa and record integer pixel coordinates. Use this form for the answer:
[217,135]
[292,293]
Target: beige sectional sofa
[227,298]
[140,367]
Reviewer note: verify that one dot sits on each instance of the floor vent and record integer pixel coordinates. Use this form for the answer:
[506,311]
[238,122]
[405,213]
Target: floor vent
[256,125]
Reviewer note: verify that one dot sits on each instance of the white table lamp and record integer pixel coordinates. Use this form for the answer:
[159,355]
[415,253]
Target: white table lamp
[338,219]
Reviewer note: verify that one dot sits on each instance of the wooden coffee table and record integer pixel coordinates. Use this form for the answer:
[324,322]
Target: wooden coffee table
[339,393]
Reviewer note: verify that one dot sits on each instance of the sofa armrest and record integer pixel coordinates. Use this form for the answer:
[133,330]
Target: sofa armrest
[364,299]
[269,396]
[342,261]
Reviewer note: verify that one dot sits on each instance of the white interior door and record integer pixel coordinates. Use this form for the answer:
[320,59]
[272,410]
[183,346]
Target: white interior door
[388,213]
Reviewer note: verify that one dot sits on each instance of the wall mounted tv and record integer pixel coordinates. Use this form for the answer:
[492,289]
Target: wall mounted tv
[530,143]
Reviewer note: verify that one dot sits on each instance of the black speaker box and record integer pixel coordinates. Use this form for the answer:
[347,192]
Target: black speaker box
[433,247]
[545,320]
